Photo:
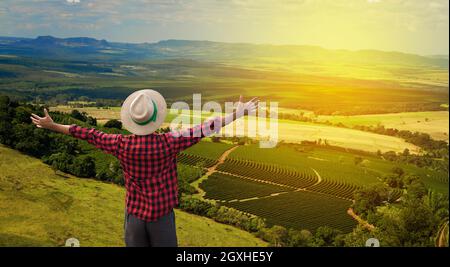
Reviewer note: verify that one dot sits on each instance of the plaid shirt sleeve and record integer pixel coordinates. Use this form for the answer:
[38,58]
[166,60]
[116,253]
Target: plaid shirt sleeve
[101,140]
[181,140]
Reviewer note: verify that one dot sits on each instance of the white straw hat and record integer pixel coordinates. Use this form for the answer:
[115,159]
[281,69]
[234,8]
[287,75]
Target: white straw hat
[143,112]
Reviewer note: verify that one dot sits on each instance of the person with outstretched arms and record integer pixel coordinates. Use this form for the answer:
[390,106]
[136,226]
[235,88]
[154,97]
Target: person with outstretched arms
[148,161]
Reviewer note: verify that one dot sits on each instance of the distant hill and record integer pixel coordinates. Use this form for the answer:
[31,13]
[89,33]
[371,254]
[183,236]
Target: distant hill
[440,56]
[89,48]
[41,208]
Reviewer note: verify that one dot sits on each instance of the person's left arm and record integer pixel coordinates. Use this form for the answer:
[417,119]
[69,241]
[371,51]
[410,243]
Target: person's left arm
[186,138]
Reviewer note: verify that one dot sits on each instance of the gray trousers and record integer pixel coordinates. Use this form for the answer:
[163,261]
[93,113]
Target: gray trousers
[160,233]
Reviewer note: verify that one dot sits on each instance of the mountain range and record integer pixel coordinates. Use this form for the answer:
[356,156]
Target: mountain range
[101,50]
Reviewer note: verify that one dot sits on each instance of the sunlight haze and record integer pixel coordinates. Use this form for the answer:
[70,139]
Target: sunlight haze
[413,26]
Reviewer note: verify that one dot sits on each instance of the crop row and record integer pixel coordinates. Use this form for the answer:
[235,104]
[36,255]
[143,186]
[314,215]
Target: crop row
[269,173]
[300,210]
[225,187]
[195,160]
[335,188]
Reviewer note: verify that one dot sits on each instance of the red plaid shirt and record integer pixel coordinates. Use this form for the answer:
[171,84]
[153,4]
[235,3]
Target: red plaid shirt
[149,164]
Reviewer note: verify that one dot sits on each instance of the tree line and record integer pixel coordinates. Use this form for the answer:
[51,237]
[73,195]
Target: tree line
[412,220]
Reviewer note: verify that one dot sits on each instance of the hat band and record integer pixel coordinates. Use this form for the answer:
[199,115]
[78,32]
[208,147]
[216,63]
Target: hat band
[152,118]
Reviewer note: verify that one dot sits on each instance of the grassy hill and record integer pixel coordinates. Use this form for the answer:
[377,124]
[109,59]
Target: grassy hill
[41,208]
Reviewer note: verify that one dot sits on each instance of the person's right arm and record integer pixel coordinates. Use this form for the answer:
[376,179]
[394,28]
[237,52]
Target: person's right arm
[47,122]
[101,140]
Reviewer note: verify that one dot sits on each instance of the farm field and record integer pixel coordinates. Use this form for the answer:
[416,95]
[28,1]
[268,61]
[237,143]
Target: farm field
[295,132]
[323,88]
[300,210]
[291,131]
[434,123]
[270,173]
[101,114]
[279,204]
[41,208]
[325,160]
[226,187]
[204,153]
[303,182]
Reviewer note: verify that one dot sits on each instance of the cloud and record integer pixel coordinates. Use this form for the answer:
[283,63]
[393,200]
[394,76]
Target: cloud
[263,21]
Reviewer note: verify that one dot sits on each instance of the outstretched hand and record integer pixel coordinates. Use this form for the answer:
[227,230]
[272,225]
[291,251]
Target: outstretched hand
[45,122]
[247,107]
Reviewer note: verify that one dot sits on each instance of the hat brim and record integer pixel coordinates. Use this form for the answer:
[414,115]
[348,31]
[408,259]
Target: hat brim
[149,128]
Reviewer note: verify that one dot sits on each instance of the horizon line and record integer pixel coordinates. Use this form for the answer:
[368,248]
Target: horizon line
[231,42]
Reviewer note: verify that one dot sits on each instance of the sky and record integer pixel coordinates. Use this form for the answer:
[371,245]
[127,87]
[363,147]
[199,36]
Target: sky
[412,26]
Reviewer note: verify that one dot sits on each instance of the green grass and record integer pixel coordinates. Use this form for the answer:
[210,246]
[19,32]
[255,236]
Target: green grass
[41,208]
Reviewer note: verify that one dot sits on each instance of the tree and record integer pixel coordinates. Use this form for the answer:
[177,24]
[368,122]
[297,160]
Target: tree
[31,140]
[83,166]
[78,115]
[5,121]
[367,199]
[60,161]
[276,235]
[398,171]
[91,121]
[83,98]
[302,238]
[255,224]
[438,204]
[113,124]
[4,101]
[22,115]
[358,160]
[215,139]
[184,187]
[406,152]
[325,236]
[416,190]
[418,224]
[393,181]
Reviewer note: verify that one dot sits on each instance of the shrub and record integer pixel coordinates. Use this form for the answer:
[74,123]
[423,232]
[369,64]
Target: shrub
[113,124]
